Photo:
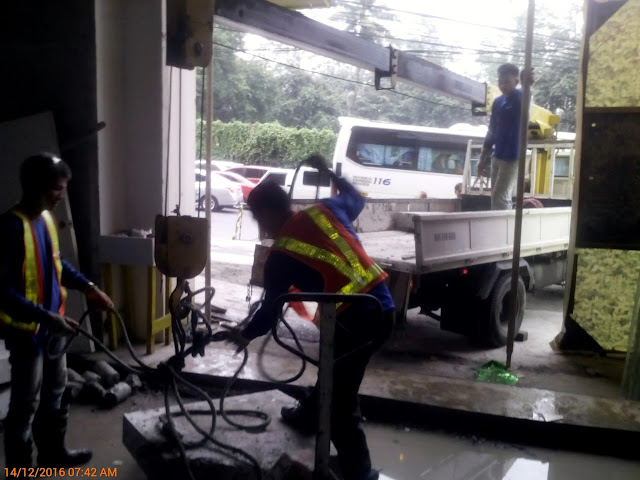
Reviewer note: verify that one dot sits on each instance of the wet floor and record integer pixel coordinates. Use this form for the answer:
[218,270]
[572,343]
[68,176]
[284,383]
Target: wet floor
[410,454]
[402,454]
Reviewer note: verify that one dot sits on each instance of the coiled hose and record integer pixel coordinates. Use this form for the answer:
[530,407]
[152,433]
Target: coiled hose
[169,374]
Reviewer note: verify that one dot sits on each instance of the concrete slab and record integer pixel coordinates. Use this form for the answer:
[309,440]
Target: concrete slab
[154,453]
[431,374]
[5,396]
[5,366]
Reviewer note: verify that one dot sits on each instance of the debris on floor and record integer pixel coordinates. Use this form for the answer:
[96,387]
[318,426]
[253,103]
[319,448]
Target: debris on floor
[496,372]
[101,385]
[155,454]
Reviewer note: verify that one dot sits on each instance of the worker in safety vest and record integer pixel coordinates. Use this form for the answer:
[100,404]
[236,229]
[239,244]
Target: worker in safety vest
[33,282]
[317,250]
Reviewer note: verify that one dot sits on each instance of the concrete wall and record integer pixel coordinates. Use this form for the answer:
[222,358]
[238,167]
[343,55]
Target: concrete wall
[150,114]
[141,100]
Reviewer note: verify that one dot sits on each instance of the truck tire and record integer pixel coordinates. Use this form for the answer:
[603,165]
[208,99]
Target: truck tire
[497,310]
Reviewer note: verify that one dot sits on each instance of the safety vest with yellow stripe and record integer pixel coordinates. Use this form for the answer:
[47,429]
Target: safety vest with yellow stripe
[317,238]
[32,272]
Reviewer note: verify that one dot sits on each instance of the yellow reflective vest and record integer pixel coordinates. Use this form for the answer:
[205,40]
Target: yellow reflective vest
[32,274]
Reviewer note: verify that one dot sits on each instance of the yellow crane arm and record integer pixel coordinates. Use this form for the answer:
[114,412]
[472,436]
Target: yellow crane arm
[542,123]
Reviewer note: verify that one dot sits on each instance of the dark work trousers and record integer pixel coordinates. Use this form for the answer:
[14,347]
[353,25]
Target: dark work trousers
[362,332]
[37,385]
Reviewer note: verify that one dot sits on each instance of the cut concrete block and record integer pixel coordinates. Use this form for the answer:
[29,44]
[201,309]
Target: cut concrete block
[5,394]
[158,458]
[5,366]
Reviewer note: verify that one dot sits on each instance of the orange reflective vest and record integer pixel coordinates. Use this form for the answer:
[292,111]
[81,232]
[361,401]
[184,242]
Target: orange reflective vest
[318,239]
[32,274]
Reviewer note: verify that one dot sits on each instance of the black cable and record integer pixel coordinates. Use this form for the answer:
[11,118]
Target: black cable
[212,411]
[437,17]
[262,350]
[341,78]
[174,433]
[292,66]
[168,374]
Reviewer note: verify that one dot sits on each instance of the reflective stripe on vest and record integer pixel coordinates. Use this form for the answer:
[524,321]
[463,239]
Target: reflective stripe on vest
[351,268]
[32,275]
[57,258]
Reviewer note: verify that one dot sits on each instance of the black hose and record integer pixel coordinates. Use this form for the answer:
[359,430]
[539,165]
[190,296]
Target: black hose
[171,377]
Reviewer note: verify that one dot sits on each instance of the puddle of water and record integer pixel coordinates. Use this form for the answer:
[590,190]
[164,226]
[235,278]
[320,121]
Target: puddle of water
[403,455]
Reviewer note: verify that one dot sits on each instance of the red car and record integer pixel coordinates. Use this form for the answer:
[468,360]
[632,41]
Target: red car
[250,172]
[245,184]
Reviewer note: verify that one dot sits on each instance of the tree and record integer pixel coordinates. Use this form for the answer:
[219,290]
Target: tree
[557,61]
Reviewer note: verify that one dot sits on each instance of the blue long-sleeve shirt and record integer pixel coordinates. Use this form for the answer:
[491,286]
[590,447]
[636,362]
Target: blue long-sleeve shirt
[281,270]
[12,298]
[504,126]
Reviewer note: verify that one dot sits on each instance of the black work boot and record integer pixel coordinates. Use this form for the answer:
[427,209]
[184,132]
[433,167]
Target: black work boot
[300,419]
[18,454]
[49,432]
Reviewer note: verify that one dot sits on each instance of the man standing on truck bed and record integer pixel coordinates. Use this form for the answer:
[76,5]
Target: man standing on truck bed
[317,250]
[504,136]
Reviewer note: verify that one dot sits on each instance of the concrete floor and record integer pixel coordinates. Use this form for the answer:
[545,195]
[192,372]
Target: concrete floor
[421,361]
[402,453]
[420,345]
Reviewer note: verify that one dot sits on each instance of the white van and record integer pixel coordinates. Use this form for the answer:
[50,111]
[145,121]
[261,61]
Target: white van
[306,187]
[385,160]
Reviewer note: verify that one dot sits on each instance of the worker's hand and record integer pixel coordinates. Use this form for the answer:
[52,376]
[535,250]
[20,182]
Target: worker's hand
[61,324]
[97,299]
[237,338]
[527,76]
[318,162]
[484,163]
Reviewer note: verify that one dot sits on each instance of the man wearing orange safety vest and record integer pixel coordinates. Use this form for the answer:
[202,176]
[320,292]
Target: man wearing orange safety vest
[317,250]
[33,282]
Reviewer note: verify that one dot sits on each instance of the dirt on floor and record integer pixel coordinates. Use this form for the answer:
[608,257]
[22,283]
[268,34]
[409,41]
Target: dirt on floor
[421,345]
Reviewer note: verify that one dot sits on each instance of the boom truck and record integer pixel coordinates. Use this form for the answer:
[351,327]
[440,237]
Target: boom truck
[452,257]
[443,254]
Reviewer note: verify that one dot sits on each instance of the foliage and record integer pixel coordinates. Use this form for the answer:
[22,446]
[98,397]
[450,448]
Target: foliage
[249,89]
[268,143]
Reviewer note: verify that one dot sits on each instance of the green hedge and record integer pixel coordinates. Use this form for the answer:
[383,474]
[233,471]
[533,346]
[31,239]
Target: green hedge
[267,143]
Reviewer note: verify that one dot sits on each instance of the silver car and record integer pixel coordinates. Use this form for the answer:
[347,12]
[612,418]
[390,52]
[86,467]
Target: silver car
[224,192]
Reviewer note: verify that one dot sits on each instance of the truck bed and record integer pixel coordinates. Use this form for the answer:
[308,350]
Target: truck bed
[442,241]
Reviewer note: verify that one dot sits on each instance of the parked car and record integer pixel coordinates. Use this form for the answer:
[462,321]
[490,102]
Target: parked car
[245,184]
[224,192]
[251,172]
[217,165]
[306,182]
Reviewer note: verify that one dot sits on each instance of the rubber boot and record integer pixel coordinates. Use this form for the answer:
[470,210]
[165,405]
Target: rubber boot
[48,432]
[18,454]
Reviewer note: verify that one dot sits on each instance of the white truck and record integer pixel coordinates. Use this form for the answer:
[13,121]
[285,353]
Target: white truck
[456,265]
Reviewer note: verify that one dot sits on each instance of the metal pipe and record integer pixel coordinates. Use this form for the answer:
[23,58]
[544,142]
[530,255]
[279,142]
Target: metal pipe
[517,234]
[207,201]
[325,394]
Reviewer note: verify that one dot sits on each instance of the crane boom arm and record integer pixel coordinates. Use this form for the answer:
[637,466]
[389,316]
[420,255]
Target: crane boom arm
[291,27]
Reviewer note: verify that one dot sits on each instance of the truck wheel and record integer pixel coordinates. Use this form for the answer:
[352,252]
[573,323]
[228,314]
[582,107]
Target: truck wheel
[497,312]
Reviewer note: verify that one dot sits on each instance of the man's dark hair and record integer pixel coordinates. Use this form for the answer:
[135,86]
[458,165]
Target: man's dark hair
[268,196]
[40,172]
[508,69]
